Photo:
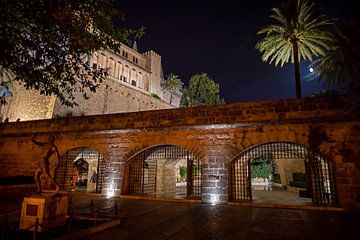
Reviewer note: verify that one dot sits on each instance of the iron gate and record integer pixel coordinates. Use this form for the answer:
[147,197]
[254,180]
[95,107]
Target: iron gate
[143,170]
[319,171]
[65,169]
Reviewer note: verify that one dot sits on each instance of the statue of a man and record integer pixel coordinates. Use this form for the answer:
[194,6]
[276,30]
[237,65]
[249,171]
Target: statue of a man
[44,163]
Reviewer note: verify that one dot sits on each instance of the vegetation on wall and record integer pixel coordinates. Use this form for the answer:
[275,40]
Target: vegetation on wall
[154,95]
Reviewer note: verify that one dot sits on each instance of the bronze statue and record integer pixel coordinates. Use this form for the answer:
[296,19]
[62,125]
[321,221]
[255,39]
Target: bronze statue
[44,162]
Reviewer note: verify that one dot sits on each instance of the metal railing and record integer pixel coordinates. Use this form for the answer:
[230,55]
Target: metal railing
[92,212]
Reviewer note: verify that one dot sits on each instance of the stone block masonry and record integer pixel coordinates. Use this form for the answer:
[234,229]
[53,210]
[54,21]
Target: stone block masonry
[215,134]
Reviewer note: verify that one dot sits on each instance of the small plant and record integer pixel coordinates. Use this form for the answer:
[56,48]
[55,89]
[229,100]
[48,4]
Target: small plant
[183,172]
[154,95]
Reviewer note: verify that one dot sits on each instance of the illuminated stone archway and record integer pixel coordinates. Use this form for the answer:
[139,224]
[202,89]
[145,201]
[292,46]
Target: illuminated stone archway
[293,168]
[81,169]
[163,171]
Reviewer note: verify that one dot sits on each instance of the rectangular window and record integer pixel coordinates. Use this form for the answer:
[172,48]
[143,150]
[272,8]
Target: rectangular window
[94,66]
[133,82]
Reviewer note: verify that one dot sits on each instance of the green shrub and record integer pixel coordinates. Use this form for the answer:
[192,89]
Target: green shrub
[261,171]
[154,95]
[183,172]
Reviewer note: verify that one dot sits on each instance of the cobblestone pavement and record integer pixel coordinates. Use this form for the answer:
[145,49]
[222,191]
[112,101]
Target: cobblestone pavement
[144,219]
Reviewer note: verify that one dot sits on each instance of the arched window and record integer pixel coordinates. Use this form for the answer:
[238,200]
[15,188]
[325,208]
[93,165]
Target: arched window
[133,77]
[126,75]
[94,60]
[102,60]
[111,67]
[140,80]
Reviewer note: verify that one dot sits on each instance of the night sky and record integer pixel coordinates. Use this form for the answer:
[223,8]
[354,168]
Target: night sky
[219,38]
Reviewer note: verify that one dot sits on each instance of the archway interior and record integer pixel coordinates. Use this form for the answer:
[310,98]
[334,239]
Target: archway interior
[281,172]
[81,169]
[164,171]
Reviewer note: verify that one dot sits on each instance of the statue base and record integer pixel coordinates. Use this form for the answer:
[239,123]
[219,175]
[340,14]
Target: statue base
[49,208]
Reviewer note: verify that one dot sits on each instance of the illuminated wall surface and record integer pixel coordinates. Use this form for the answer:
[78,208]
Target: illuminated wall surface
[218,136]
[132,77]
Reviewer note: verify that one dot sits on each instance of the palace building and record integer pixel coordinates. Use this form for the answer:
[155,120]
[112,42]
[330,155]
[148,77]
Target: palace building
[132,84]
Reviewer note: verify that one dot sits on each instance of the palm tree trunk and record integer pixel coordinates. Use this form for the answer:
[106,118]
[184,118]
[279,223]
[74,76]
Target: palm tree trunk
[170,98]
[297,70]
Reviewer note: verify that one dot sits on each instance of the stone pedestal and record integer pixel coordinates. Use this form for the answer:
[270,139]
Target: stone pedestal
[49,208]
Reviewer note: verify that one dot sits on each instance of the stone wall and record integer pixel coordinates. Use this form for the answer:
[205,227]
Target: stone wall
[214,134]
[27,105]
[112,97]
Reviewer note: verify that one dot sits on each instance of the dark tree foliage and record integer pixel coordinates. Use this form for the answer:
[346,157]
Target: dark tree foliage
[45,43]
[202,90]
[342,63]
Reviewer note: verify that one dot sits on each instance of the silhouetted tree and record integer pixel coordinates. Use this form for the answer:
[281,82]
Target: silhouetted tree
[45,43]
[202,90]
[342,63]
[296,35]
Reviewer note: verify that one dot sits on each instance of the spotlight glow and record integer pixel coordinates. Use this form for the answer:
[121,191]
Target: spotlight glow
[311,70]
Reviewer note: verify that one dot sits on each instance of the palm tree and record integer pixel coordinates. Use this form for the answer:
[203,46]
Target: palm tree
[296,35]
[342,63]
[172,84]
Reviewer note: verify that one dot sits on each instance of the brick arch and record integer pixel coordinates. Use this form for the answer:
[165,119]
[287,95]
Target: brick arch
[193,148]
[65,169]
[102,151]
[270,134]
[136,158]
[318,168]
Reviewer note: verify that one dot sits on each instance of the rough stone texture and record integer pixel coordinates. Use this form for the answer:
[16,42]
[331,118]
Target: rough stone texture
[215,134]
[131,78]
[112,97]
[30,105]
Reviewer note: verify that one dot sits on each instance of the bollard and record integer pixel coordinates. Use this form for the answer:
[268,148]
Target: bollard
[92,208]
[70,204]
[36,228]
[96,215]
[4,227]
[70,222]
[116,209]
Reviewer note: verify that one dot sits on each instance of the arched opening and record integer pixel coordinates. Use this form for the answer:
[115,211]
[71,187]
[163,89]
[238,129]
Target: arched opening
[80,180]
[81,169]
[282,173]
[163,171]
